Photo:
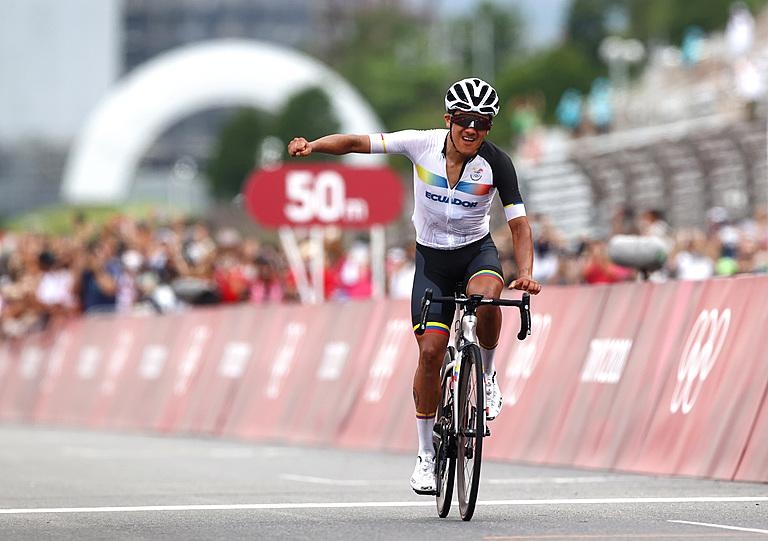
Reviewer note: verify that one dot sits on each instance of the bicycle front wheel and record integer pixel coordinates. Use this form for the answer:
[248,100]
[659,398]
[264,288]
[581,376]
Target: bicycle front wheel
[445,448]
[471,397]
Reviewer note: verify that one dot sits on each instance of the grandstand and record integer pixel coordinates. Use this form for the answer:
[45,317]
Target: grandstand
[682,169]
[684,142]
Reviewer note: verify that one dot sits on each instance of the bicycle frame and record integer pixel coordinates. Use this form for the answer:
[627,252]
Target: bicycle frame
[466,327]
[466,333]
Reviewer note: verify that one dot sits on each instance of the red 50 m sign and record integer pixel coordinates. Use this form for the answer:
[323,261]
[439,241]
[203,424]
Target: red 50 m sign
[323,194]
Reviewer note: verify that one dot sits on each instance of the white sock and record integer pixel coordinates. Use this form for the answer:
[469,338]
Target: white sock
[487,357]
[424,427]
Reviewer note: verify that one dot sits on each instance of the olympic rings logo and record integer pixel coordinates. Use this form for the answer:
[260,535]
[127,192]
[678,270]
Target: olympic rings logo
[699,357]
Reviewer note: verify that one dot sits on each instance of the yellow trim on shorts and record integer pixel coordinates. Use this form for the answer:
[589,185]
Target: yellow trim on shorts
[487,272]
[435,326]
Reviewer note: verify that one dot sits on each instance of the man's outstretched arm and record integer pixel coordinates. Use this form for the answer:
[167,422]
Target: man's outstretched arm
[330,144]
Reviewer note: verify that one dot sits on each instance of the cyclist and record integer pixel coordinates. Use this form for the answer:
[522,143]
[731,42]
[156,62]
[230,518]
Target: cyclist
[456,174]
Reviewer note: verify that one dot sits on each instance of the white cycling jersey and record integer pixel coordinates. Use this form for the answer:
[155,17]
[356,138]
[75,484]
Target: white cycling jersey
[451,217]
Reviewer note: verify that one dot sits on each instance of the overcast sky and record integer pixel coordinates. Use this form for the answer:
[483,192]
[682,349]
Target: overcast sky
[57,58]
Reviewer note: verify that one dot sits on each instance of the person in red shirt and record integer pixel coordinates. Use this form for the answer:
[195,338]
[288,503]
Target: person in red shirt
[598,267]
[266,285]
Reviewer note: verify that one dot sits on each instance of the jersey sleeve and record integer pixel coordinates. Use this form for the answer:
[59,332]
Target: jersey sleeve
[406,142]
[505,181]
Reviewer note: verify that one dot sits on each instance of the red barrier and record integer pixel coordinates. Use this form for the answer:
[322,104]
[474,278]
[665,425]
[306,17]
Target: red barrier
[265,398]
[539,377]
[754,463]
[308,359]
[23,365]
[116,398]
[233,350]
[190,350]
[659,378]
[131,390]
[655,348]
[71,389]
[600,372]
[7,363]
[336,361]
[63,351]
[384,408]
[703,420]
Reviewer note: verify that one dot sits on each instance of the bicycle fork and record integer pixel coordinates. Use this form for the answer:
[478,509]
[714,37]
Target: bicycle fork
[466,333]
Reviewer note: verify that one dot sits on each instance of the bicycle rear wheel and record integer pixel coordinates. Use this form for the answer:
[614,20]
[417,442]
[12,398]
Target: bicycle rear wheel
[471,397]
[445,447]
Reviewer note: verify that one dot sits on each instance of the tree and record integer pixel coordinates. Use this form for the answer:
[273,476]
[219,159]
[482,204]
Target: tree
[587,24]
[241,140]
[488,39]
[236,150]
[548,73]
[389,57]
[309,114]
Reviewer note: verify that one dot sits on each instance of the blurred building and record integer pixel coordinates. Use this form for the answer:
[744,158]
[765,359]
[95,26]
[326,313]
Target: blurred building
[152,27]
[58,60]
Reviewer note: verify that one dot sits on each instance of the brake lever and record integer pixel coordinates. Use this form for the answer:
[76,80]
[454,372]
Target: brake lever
[525,317]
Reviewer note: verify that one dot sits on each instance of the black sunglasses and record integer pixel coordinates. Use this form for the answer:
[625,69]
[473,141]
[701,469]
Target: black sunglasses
[481,123]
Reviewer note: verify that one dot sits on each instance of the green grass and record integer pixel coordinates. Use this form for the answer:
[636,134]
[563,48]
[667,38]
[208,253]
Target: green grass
[58,220]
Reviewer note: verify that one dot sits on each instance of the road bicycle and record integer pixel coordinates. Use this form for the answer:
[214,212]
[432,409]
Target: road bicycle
[460,425]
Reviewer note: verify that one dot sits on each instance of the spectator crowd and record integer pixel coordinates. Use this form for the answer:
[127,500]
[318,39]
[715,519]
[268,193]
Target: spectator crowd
[128,265]
[724,247]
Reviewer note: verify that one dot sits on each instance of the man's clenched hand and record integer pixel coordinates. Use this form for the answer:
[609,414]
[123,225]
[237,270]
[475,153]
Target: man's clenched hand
[299,147]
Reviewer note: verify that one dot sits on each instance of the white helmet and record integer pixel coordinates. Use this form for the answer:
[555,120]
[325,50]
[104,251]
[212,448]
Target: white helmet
[472,95]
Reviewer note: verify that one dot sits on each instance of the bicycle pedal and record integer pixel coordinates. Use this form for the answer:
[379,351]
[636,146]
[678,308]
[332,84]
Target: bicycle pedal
[487,431]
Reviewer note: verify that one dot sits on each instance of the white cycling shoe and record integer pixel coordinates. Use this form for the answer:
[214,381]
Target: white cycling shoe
[493,398]
[423,478]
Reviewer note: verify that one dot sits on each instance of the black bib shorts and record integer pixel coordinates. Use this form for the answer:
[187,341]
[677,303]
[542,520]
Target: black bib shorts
[444,271]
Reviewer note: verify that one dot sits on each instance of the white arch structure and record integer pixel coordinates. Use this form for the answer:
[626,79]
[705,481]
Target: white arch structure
[190,79]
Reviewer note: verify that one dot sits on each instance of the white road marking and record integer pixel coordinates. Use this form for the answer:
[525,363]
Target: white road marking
[361,505]
[721,526]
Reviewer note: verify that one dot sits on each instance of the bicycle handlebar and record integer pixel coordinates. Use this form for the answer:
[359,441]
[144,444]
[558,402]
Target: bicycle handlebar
[472,302]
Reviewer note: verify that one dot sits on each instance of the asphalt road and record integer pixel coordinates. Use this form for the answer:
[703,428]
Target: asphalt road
[79,485]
